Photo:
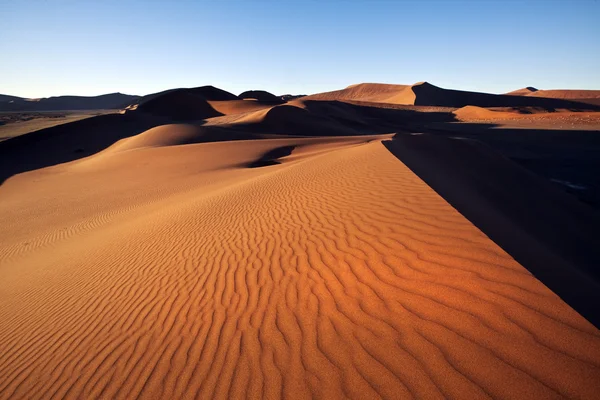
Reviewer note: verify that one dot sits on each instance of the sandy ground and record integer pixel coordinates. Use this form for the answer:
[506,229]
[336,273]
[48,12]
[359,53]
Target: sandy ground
[528,118]
[19,123]
[291,267]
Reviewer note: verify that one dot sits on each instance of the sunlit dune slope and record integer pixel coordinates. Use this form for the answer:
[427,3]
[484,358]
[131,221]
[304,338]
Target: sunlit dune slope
[276,268]
[570,94]
[581,96]
[426,94]
[374,92]
[526,114]
[523,91]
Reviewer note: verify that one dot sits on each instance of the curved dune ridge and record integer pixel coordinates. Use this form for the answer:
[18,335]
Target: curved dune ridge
[426,94]
[276,268]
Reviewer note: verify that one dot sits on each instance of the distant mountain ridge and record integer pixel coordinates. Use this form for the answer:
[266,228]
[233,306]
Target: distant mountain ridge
[58,103]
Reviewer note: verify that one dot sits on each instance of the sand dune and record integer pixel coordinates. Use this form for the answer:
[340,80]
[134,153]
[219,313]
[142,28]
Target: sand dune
[580,96]
[204,246]
[102,102]
[557,117]
[372,92]
[178,104]
[568,94]
[426,94]
[327,288]
[260,95]
[523,91]
[20,123]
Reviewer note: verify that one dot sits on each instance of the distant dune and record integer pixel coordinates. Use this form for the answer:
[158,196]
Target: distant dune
[260,95]
[14,124]
[580,96]
[523,92]
[371,242]
[556,117]
[568,94]
[426,94]
[103,102]
[370,92]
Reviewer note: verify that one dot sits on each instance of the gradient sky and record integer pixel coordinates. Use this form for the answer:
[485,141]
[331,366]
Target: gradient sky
[139,47]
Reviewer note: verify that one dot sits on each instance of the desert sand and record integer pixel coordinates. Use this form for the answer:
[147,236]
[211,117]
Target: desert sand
[200,245]
[14,124]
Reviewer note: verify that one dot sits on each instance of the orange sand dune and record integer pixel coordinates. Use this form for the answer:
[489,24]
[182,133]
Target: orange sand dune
[426,94]
[567,94]
[582,96]
[204,246]
[523,91]
[373,92]
[530,117]
[278,268]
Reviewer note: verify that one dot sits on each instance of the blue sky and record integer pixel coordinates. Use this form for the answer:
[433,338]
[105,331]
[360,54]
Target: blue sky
[139,47]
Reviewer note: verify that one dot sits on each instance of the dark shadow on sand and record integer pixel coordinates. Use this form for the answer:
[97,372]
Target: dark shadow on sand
[68,142]
[543,228]
[272,157]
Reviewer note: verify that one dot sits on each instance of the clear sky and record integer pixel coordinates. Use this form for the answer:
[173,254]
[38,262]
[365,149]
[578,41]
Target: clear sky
[92,47]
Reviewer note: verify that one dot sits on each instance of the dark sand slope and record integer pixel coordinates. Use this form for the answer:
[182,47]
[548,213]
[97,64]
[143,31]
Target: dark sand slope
[103,102]
[68,142]
[426,94]
[260,95]
[546,230]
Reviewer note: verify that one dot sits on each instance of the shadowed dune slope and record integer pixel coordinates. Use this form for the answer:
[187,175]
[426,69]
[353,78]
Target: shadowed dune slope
[260,95]
[329,271]
[68,142]
[580,96]
[567,94]
[180,105]
[208,93]
[221,120]
[105,101]
[426,94]
[294,120]
[548,231]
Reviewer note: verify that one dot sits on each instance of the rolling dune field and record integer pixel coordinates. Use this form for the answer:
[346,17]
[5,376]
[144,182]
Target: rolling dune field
[200,246]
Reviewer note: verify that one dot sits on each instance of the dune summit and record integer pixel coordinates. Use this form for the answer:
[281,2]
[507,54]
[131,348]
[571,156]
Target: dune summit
[371,242]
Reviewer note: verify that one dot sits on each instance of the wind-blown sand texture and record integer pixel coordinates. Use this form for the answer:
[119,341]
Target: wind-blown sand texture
[183,261]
